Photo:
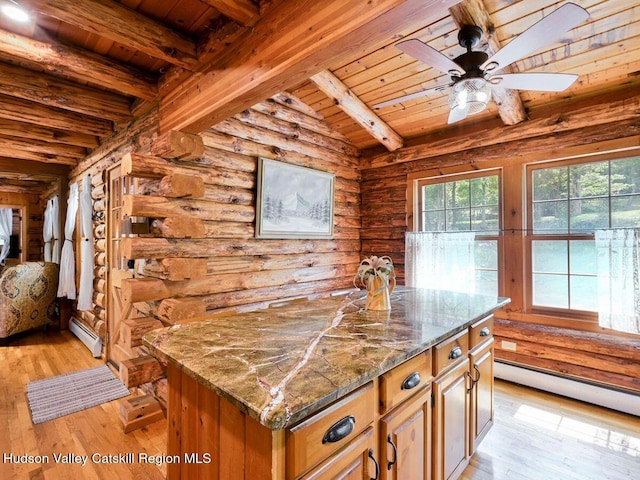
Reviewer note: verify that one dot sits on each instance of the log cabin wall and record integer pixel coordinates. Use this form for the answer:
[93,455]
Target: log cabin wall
[199,197]
[588,353]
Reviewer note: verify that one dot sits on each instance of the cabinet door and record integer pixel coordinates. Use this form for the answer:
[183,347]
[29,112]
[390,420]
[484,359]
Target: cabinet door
[405,440]
[451,422]
[481,393]
[356,461]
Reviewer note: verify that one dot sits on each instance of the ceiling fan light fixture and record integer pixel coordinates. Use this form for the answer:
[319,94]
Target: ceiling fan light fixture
[470,94]
[14,11]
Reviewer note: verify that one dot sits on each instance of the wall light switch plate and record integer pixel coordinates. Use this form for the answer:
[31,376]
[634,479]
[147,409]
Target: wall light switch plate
[511,346]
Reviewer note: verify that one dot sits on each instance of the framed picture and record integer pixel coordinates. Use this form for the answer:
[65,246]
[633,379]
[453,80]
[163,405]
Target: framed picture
[293,202]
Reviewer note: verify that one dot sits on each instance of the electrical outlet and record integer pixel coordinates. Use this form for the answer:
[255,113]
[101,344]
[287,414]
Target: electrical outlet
[508,345]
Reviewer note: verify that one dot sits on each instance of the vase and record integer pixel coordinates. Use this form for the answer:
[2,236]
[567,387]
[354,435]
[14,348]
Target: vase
[378,294]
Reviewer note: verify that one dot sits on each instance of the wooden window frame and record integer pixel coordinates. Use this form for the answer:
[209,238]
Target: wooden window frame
[582,316]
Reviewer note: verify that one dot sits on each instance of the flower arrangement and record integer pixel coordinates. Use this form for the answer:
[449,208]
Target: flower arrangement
[378,277]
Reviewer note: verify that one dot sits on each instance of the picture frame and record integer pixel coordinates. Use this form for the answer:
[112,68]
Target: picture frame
[293,201]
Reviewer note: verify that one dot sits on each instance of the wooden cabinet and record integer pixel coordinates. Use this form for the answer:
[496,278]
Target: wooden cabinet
[481,374]
[355,462]
[405,439]
[451,421]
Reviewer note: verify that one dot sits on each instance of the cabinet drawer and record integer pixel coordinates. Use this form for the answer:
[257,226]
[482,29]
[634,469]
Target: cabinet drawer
[481,331]
[317,437]
[404,380]
[450,352]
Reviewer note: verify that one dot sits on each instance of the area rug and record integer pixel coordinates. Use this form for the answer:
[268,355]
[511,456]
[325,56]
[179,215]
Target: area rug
[61,395]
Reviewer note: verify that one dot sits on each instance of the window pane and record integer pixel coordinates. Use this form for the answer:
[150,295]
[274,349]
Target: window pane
[589,179]
[625,211]
[433,221]
[486,282]
[625,176]
[458,220]
[549,256]
[550,290]
[458,194]
[484,219]
[583,257]
[550,217]
[433,196]
[589,214]
[550,183]
[484,191]
[486,254]
[584,293]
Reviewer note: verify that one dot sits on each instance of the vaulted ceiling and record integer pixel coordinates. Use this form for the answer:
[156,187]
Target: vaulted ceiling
[83,69]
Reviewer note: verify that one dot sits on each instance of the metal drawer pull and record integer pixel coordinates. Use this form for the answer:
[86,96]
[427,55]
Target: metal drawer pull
[485,332]
[395,452]
[456,352]
[375,462]
[412,381]
[339,430]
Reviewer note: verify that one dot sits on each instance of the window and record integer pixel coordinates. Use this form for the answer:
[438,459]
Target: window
[567,203]
[466,203]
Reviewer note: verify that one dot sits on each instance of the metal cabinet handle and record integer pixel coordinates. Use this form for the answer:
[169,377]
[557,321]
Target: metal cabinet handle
[339,430]
[455,352]
[485,332]
[475,367]
[473,383]
[395,452]
[375,462]
[412,381]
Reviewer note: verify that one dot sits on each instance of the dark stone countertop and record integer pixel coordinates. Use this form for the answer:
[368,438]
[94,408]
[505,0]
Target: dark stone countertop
[282,364]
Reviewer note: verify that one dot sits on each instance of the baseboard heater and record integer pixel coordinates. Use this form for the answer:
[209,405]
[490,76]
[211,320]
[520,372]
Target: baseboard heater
[89,338]
[567,387]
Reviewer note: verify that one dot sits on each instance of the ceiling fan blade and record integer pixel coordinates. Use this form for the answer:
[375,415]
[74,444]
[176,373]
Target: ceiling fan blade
[542,82]
[545,31]
[411,96]
[457,114]
[429,55]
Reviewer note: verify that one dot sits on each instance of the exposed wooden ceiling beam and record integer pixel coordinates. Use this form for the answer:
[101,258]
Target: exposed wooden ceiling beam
[22,186]
[55,92]
[10,165]
[245,12]
[25,111]
[78,64]
[13,128]
[292,41]
[112,20]
[28,145]
[9,149]
[349,102]
[473,12]
[617,105]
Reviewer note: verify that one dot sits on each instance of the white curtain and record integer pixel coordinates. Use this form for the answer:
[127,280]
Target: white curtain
[6,221]
[67,283]
[47,231]
[85,290]
[55,228]
[619,279]
[441,261]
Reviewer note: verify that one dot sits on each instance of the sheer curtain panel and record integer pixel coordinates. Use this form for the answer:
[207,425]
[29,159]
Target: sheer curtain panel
[67,283]
[619,279]
[47,231]
[85,290]
[6,219]
[55,228]
[441,261]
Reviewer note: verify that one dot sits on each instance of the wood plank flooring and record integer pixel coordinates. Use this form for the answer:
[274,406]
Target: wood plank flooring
[96,430]
[536,436]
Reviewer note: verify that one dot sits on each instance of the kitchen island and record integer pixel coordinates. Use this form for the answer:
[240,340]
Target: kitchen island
[249,392]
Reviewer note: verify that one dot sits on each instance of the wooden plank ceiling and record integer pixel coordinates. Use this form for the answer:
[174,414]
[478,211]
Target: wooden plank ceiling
[82,70]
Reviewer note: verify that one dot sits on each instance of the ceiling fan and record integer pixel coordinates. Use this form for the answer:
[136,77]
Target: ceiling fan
[473,74]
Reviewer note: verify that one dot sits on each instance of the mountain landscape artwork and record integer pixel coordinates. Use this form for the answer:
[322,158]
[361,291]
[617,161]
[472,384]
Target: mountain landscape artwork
[293,201]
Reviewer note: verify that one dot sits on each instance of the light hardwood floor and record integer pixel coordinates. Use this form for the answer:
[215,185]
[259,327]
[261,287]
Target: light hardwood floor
[536,436]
